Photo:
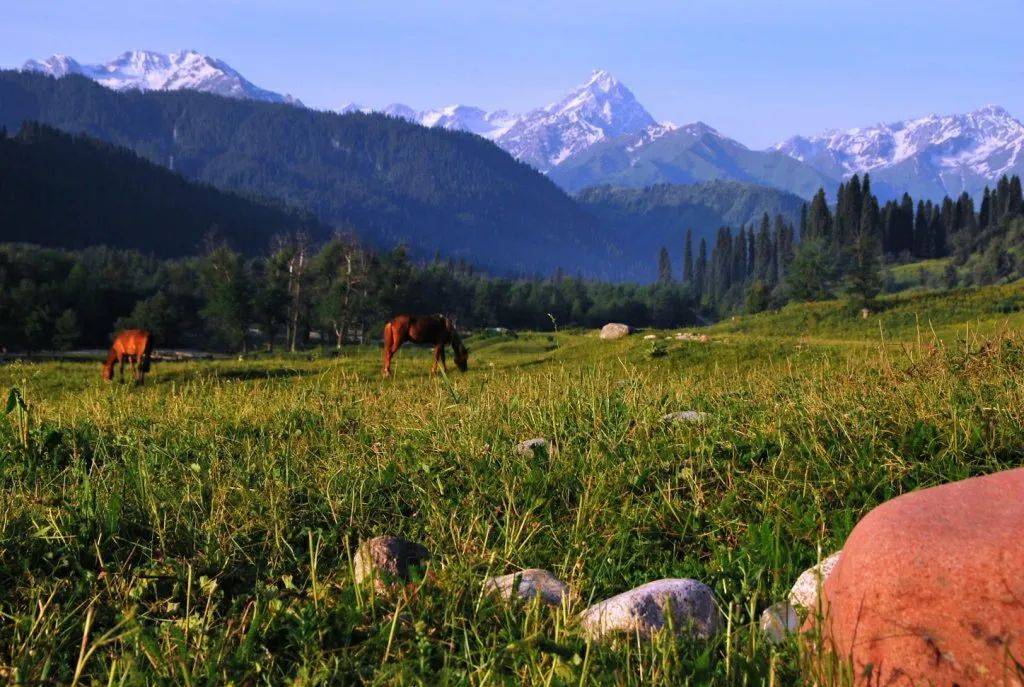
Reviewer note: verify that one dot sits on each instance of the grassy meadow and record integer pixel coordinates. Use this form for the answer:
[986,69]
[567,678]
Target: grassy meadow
[200,529]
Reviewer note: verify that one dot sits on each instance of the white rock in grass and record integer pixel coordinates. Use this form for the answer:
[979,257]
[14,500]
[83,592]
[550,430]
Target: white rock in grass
[527,584]
[779,621]
[686,416]
[648,337]
[532,447]
[642,610]
[805,591]
[614,330]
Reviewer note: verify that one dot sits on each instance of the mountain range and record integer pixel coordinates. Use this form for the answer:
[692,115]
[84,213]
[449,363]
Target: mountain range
[145,70]
[599,133]
[927,157]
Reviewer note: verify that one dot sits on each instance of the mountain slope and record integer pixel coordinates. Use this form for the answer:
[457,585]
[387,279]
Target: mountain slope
[598,109]
[928,157]
[642,220]
[393,181]
[685,155]
[72,192]
[145,70]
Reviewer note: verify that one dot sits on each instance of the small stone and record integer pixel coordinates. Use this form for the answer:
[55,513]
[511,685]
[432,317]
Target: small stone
[686,416]
[527,584]
[614,330]
[648,337]
[804,594]
[386,560]
[779,621]
[532,447]
[642,610]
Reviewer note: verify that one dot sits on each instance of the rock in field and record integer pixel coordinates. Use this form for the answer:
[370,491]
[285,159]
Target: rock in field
[533,447]
[642,610]
[386,560]
[614,330]
[804,593]
[649,337]
[528,584]
[685,416]
[930,588]
[779,621]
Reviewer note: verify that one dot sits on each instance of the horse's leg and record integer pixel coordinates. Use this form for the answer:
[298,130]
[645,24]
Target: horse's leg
[438,354]
[389,340]
[120,366]
[444,360]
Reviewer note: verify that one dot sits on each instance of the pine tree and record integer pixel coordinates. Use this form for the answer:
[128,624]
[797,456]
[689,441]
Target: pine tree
[863,275]
[700,270]
[819,218]
[905,226]
[688,258]
[1015,201]
[664,267]
[984,213]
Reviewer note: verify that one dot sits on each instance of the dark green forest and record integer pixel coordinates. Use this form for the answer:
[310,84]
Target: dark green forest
[399,183]
[293,297]
[70,191]
[844,250]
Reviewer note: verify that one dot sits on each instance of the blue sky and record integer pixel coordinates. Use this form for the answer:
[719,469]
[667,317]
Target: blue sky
[757,71]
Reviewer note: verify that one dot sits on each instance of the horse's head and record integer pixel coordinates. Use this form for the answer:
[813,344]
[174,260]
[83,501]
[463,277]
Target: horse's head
[108,371]
[461,353]
[461,357]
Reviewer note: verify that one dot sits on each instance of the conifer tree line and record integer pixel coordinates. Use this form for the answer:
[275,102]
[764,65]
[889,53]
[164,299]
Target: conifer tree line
[296,296]
[301,294]
[843,249]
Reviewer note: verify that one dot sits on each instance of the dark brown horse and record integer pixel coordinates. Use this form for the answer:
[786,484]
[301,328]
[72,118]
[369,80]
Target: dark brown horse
[134,346]
[424,329]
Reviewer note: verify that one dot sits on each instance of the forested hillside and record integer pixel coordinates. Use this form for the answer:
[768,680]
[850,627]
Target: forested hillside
[642,220]
[74,191]
[393,181]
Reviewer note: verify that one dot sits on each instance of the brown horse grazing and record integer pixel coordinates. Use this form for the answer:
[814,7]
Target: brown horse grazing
[133,345]
[424,329]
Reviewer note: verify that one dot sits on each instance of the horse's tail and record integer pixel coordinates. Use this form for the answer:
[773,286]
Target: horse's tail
[147,352]
[108,365]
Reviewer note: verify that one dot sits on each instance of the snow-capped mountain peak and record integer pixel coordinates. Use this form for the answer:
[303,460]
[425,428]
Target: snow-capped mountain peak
[146,70]
[953,152]
[599,109]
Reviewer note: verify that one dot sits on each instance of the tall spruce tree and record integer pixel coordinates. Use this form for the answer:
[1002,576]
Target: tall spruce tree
[688,258]
[664,266]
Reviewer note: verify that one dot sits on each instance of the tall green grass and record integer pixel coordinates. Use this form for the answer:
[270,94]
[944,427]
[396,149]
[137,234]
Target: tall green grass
[199,529]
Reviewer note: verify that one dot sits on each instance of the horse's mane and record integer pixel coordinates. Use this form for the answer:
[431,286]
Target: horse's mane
[454,334]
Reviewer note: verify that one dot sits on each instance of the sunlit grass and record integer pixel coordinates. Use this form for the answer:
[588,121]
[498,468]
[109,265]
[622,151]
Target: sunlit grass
[200,528]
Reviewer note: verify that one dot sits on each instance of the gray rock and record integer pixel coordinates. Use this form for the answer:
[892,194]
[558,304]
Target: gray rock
[532,447]
[805,591]
[527,584]
[642,610]
[686,416]
[779,621]
[386,560]
[614,330]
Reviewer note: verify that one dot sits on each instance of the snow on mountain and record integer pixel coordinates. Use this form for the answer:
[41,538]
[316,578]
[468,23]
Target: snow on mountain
[599,109]
[934,154]
[145,70]
[466,118]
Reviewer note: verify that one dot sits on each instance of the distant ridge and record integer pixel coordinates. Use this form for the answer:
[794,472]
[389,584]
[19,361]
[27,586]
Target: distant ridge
[145,70]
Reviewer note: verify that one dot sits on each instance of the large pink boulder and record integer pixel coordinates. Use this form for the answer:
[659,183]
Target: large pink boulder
[930,587]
